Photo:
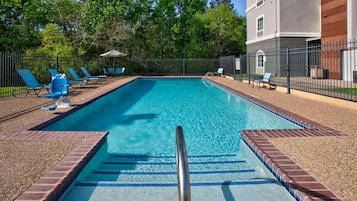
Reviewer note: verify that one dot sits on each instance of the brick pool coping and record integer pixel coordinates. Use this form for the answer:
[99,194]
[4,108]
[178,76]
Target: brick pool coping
[53,184]
[299,182]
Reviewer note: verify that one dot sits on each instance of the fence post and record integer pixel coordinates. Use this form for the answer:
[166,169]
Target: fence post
[183,67]
[248,64]
[240,68]
[234,66]
[287,71]
[57,63]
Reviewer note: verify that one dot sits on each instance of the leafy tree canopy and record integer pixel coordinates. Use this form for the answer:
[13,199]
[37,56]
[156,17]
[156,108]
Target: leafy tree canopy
[54,43]
[141,28]
[226,31]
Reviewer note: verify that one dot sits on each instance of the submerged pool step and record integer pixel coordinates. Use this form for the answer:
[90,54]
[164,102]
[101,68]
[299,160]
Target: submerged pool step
[153,158]
[171,166]
[136,161]
[174,184]
[170,156]
[168,163]
[200,191]
[145,168]
[170,176]
[149,178]
[171,173]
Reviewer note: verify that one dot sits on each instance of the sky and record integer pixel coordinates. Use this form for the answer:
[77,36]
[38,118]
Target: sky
[239,6]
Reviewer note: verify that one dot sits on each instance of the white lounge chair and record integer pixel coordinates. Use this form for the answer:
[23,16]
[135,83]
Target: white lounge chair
[219,72]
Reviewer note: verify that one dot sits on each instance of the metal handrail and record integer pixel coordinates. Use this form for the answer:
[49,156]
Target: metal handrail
[183,175]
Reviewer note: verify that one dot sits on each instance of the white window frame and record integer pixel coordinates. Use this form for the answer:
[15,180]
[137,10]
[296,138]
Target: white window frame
[260,62]
[259,3]
[257,20]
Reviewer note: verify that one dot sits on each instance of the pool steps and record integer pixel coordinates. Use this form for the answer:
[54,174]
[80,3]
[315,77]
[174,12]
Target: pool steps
[199,176]
[168,163]
[208,191]
[138,177]
[173,184]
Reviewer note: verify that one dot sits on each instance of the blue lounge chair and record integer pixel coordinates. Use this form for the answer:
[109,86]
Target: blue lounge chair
[111,71]
[118,70]
[115,72]
[54,72]
[59,92]
[32,83]
[105,71]
[88,75]
[76,77]
[265,80]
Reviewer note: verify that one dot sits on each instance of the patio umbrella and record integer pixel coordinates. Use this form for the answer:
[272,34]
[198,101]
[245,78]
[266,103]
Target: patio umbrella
[113,53]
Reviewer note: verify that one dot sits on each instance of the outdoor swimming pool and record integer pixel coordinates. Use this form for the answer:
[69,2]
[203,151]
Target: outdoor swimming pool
[138,160]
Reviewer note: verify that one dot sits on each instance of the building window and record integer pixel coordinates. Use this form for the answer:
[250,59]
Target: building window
[259,3]
[260,24]
[260,61]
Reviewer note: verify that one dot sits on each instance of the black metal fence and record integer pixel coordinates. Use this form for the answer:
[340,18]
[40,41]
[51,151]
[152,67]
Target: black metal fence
[171,67]
[328,69]
[11,62]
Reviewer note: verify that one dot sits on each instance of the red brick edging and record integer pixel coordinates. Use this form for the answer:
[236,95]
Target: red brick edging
[53,184]
[299,182]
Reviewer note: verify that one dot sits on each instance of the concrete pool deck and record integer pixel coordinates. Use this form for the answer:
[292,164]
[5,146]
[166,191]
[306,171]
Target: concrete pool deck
[331,160]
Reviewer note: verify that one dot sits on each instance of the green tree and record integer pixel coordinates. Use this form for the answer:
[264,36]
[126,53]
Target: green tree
[21,22]
[138,17]
[103,24]
[159,30]
[198,40]
[187,9]
[226,31]
[67,16]
[54,43]
[168,29]
[142,28]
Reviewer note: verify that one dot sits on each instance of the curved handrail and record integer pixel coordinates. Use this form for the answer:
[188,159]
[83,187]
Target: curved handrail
[183,175]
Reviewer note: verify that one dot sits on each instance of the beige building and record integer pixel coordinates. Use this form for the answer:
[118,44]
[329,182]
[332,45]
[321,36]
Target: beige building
[274,25]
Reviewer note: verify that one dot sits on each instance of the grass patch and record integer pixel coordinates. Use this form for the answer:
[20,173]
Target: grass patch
[252,76]
[9,91]
[352,91]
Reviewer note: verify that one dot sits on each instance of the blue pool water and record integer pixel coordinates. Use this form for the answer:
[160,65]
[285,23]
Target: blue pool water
[141,118]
